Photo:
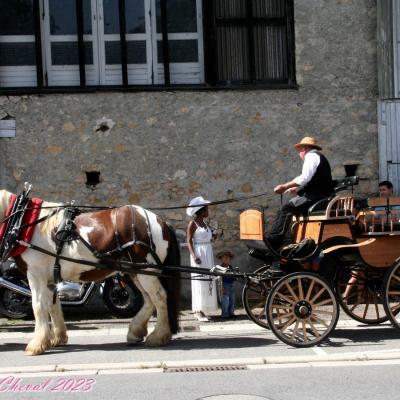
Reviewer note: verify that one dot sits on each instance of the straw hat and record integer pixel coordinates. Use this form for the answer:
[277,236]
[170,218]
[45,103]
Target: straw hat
[196,204]
[225,253]
[308,141]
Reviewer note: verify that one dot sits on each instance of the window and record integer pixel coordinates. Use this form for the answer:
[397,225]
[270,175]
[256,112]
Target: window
[17,44]
[141,44]
[129,43]
[251,42]
[60,26]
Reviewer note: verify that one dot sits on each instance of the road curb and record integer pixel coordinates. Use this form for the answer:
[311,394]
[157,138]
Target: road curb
[168,366]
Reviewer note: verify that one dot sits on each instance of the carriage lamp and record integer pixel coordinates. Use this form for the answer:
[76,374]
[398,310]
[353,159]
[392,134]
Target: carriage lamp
[351,169]
[92,179]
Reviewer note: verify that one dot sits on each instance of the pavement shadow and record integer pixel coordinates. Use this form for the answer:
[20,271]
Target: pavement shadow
[344,338]
[69,348]
[359,336]
[177,344]
[7,347]
[234,342]
[17,328]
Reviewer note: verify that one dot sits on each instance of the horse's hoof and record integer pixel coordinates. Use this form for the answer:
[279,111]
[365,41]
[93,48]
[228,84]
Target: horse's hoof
[35,348]
[136,333]
[134,340]
[60,341]
[156,342]
[34,351]
[131,344]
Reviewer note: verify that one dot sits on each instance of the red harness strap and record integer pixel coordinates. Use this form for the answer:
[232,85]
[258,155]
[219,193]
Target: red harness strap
[31,215]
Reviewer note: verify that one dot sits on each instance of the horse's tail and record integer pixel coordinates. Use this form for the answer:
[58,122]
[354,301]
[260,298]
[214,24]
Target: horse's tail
[172,281]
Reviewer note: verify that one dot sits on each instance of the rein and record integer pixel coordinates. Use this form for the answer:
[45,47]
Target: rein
[212,203]
[126,266]
[64,233]
[38,221]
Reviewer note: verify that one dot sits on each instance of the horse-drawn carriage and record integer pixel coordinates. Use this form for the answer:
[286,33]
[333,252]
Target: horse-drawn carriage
[344,251]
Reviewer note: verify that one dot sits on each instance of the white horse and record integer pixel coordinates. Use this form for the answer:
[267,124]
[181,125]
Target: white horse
[148,239]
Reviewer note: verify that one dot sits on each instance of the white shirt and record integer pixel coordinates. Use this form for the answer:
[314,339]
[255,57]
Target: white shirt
[310,165]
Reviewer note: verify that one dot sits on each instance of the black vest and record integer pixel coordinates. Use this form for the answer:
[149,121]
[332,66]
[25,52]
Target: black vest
[321,183]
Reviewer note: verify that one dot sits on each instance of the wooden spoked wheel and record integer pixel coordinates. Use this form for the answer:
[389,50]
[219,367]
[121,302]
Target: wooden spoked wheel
[254,296]
[302,309]
[360,294]
[392,294]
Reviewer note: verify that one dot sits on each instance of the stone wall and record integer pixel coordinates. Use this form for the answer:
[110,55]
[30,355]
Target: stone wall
[165,147]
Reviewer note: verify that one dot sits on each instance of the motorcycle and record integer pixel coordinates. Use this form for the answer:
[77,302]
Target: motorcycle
[119,293]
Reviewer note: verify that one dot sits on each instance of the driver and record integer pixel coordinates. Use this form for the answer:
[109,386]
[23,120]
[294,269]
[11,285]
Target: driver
[314,183]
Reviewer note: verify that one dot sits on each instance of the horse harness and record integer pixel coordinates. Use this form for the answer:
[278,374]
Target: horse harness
[67,232]
[13,223]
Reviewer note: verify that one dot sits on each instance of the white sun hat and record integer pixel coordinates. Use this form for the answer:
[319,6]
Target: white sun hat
[196,204]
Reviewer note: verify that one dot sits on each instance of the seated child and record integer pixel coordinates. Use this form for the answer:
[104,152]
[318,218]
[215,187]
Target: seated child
[228,293]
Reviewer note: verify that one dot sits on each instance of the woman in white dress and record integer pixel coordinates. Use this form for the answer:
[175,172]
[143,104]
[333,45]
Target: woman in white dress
[204,292]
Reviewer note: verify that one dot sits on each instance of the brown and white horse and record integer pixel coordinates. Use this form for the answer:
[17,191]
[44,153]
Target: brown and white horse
[103,230]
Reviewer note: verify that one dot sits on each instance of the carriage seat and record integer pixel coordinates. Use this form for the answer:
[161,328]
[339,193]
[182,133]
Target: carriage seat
[338,207]
[380,216]
[335,206]
[319,207]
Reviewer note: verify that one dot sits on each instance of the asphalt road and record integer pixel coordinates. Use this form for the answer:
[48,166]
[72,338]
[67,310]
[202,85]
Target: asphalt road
[344,381]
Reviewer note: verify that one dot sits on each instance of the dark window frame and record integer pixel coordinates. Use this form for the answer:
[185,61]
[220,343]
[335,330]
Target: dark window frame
[210,23]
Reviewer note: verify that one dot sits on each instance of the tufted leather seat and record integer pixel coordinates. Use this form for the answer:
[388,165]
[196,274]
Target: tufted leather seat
[319,208]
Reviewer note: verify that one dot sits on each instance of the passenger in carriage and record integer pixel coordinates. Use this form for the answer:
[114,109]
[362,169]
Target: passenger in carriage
[313,184]
[357,280]
[385,189]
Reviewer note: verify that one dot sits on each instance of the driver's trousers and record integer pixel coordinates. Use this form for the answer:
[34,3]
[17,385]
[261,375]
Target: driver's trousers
[296,206]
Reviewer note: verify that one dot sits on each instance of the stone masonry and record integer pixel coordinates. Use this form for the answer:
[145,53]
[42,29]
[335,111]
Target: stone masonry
[160,149]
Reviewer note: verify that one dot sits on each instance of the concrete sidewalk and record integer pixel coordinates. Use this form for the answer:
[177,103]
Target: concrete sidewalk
[187,323]
[187,320]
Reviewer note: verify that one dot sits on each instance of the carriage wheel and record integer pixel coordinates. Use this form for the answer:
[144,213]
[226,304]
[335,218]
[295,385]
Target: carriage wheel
[254,297]
[392,294]
[302,309]
[360,295]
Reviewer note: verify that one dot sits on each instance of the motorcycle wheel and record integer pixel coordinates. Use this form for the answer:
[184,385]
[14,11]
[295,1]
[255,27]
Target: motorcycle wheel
[14,305]
[122,297]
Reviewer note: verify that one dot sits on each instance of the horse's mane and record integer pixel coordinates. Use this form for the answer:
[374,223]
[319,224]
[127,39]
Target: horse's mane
[47,208]
[5,197]
[50,223]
